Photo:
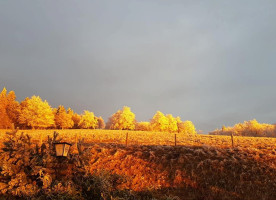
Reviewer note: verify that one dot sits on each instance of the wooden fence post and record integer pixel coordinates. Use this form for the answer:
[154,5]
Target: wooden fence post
[126,138]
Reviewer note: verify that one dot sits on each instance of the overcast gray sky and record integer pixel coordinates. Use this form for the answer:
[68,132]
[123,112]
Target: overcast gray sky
[211,62]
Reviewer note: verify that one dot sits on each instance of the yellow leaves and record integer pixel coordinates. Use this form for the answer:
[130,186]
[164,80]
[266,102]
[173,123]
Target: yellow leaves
[9,109]
[248,128]
[101,123]
[168,123]
[36,113]
[159,122]
[63,118]
[88,120]
[188,128]
[172,123]
[76,119]
[122,120]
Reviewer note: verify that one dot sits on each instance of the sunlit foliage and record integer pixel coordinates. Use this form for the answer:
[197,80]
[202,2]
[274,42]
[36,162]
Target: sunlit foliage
[63,118]
[36,113]
[122,120]
[101,123]
[248,128]
[188,128]
[9,109]
[168,123]
[75,117]
[172,123]
[4,119]
[13,108]
[88,120]
[159,122]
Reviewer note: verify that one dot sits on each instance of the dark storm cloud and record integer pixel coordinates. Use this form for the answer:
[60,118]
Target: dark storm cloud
[209,62]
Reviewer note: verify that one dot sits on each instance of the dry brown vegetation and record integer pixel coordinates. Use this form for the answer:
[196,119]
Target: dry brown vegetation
[199,167]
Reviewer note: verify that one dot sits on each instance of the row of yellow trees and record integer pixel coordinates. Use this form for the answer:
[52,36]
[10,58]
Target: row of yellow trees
[35,113]
[248,128]
[125,120]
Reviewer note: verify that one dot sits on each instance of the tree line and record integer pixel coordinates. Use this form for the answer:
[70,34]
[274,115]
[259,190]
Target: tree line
[34,113]
[248,128]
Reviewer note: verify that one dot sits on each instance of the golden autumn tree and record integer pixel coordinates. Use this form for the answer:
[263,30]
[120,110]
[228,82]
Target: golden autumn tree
[101,123]
[63,118]
[13,108]
[88,120]
[4,118]
[248,128]
[188,128]
[75,117]
[122,120]
[36,113]
[9,109]
[172,123]
[179,124]
[255,128]
[252,128]
[159,122]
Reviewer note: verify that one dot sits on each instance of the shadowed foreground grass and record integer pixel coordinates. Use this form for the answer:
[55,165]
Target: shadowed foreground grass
[200,167]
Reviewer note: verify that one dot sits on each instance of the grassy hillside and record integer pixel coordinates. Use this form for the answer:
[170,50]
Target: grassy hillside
[199,167]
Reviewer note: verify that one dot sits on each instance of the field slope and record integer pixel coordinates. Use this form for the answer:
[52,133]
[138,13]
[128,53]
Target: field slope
[199,167]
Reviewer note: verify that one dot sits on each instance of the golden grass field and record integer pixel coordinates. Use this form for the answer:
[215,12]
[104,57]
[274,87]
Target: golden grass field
[150,138]
[199,167]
